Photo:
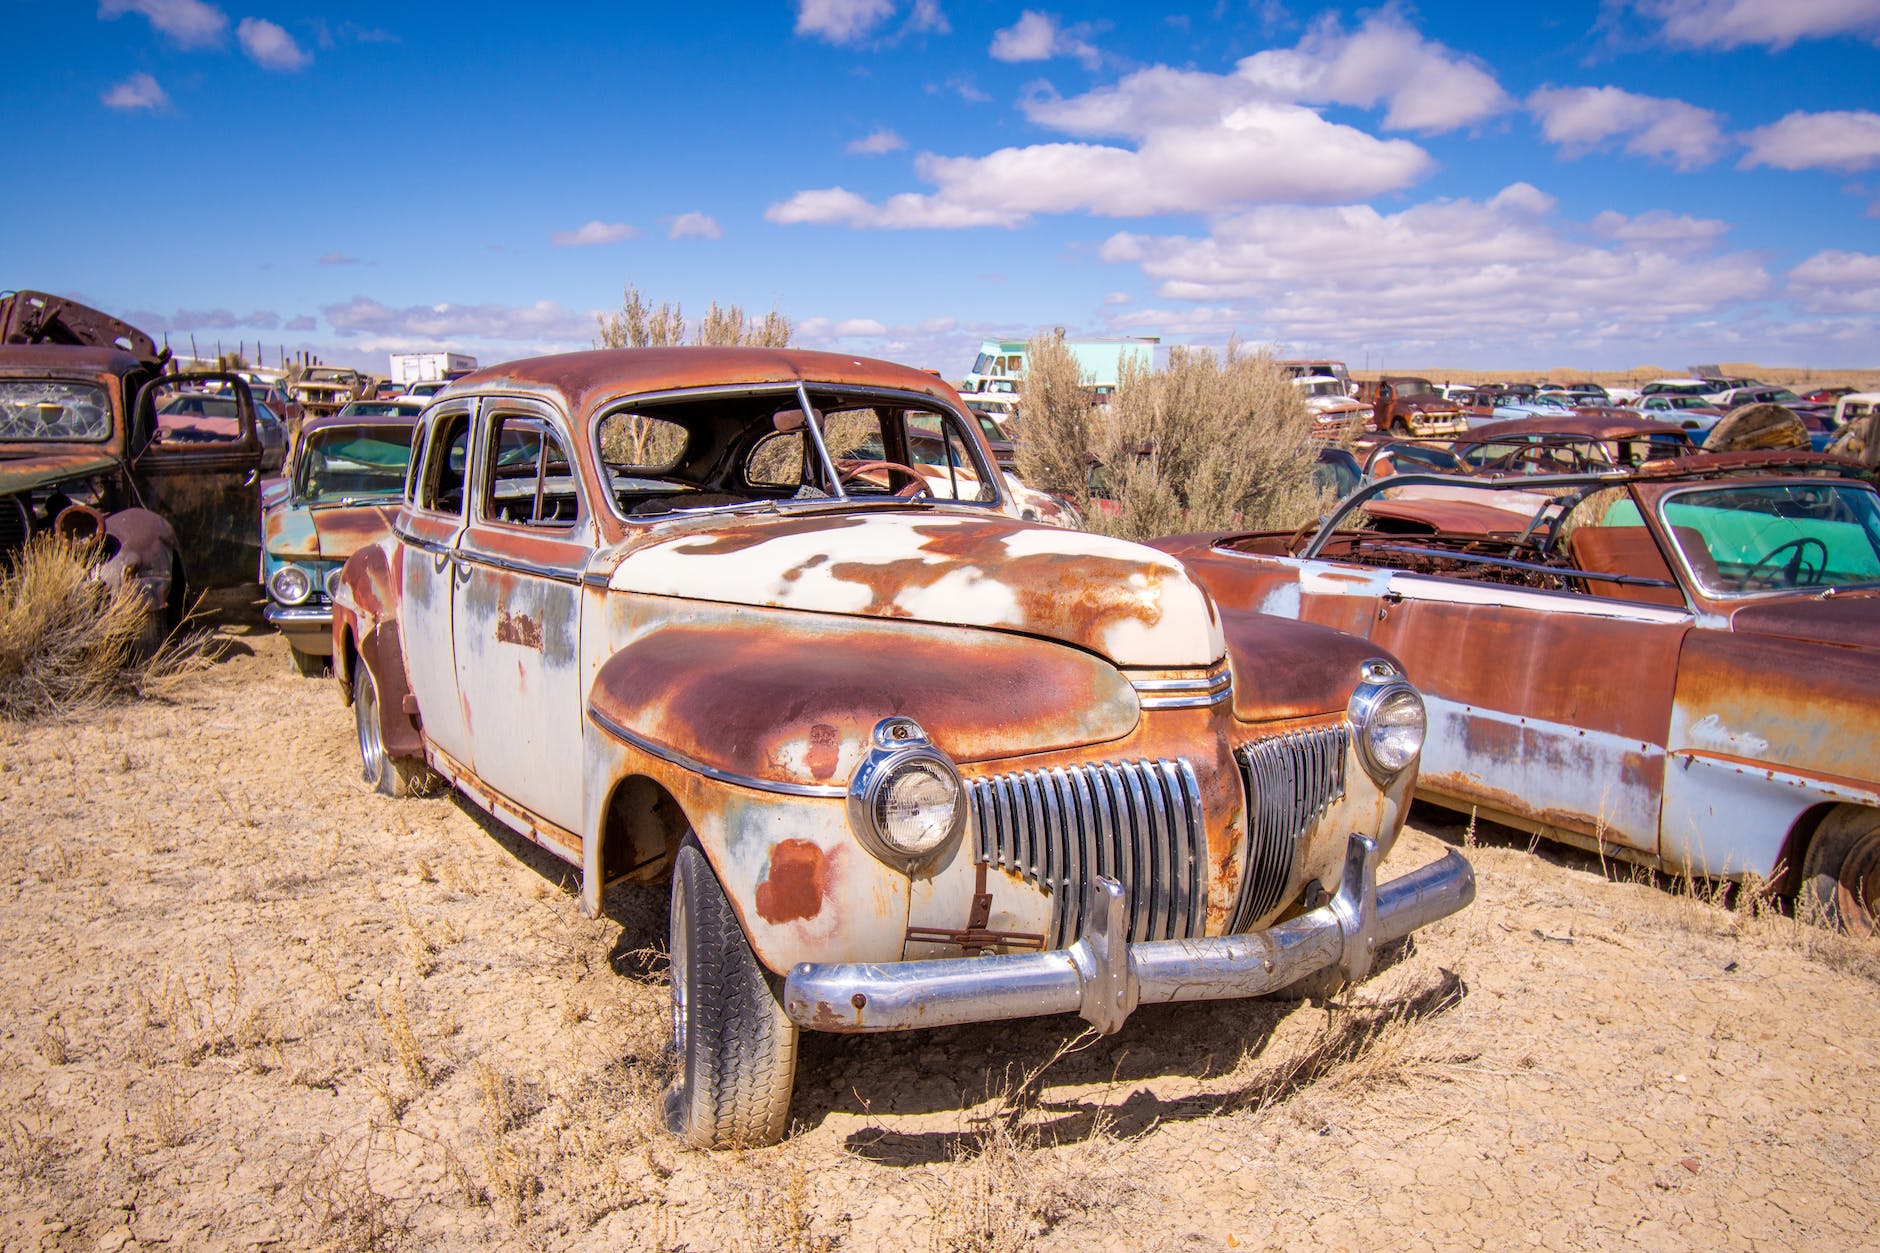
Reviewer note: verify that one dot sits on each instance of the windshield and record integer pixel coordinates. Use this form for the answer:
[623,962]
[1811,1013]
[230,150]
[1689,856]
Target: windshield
[1739,541]
[1323,387]
[344,462]
[52,409]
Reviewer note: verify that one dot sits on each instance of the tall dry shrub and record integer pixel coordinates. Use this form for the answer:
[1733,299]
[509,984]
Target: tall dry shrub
[1216,441]
[640,324]
[67,641]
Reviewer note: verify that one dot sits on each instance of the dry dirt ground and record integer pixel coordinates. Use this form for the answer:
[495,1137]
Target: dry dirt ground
[244,1004]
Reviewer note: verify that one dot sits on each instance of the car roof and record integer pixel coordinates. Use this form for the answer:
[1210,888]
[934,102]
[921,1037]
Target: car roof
[69,358]
[588,377]
[1614,425]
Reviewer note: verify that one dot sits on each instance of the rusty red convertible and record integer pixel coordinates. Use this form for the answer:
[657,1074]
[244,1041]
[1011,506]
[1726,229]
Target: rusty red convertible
[906,760]
[1677,664]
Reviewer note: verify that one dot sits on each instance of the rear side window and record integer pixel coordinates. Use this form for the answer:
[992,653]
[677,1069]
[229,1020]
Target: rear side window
[446,465]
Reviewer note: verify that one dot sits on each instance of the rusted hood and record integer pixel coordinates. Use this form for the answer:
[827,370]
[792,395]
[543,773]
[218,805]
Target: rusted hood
[323,532]
[1285,668]
[23,474]
[1123,601]
[1848,620]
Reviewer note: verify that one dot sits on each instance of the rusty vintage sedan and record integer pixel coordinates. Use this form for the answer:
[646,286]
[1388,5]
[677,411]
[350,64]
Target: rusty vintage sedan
[906,760]
[1678,665]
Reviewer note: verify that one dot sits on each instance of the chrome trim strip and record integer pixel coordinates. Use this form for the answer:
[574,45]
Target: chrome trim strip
[299,615]
[818,791]
[1208,683]
[1193,693]
[560,574]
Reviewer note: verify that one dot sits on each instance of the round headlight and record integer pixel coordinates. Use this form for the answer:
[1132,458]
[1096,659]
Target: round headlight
[332,581]
[290,585]
[1388,720]
[905,800]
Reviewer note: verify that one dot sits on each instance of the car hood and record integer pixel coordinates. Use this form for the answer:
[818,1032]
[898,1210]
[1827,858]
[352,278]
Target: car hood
[1846,620]
[1131,604]
[1427,404]
[37,469]
[332,532]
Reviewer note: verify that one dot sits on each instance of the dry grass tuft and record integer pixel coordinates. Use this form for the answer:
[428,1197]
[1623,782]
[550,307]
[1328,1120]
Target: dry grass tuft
[27,1147]
[67,642]
[350,1212]
[55,1045]
[406,1048]
[1214,442]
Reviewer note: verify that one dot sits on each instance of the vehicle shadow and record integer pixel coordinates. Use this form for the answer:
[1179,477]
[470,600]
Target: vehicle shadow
[1011,1064]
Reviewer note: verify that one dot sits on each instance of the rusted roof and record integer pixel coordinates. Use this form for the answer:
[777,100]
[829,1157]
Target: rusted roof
[1587,425]
[579,375]
[67,359]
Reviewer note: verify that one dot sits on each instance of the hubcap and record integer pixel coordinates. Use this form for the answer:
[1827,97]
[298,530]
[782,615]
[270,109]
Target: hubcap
[680,961]
[366,713]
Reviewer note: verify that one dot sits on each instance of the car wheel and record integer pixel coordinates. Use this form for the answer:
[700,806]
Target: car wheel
[392,776]
[1841,870]
[307,665]
[736,1049]
[1400,428]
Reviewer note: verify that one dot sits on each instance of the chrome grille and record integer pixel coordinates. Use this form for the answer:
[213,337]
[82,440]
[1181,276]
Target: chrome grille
[1290,780]
[1138,822]
[13,524]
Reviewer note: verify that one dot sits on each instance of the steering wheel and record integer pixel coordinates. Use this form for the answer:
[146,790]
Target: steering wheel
[1796,565]
[915,485]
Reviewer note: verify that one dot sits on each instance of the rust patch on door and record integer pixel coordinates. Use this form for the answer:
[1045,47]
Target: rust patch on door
[794,888]
[519,628]
[825,749]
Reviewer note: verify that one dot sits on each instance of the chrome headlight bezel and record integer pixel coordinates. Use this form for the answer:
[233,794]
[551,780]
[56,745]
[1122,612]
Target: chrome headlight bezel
[901,752]
[331,582]
[291,584]
[1381,693]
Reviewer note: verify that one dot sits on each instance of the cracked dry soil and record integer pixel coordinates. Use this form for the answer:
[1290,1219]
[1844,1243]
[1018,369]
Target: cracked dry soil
[244,1003]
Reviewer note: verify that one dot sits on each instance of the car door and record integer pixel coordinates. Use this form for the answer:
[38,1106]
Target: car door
[201,472]
[428,530]
[1548,705]
[516,611]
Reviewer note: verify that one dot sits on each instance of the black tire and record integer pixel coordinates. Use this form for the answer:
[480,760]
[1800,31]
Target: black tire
[1841,871]
[307,665]
[736,1049]
[389,775]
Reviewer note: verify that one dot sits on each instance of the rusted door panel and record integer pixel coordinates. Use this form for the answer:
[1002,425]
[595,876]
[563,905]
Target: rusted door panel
[212,498]
[1552,705]
[429,543]
[516,627]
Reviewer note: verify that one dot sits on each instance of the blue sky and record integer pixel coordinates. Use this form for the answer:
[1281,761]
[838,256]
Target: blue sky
[1601,185]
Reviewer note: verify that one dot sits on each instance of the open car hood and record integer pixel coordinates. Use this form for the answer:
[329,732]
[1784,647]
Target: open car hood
[1128,603]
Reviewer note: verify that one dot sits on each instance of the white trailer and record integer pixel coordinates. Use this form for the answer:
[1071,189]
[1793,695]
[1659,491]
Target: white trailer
[428,367]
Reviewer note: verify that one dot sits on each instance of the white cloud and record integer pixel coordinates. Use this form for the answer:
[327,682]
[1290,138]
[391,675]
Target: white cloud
[877,142]
[270,47]
[1667,230]
[1835,282]
[694,225]
[190,23]
[1501,272]
[859,328]
[1801,141]
[139,91]
[1580,119]
[1257,153]
[595,232]
[1040,37]
[1116,298]
[543,320]
[1424,86]
[841,21]
[1771,23]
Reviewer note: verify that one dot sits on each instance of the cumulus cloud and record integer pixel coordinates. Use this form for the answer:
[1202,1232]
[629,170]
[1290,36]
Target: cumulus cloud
[877,142]
[1503,272]
[1834,141]
[694,225]
[271,47]
[139,91]
[304,322]
[1666,230]
[1257,153]
[1041,37]
[1738,23]
[1836,282]
[591,233]
[1581,119]
[841,21]
[212,319]
[543,320]
[337,258]
[189,23]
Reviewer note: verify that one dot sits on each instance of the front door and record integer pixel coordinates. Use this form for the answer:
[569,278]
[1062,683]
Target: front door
[428,530]
[516,613]
[201,470]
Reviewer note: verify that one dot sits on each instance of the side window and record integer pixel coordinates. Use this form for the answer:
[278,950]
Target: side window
[446,463]
[530,481]
[777,460]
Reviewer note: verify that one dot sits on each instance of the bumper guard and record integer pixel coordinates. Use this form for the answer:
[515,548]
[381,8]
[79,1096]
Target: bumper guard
[1104,978]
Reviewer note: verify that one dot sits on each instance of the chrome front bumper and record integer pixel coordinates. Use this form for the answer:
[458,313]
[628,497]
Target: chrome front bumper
[1104,979]
[310,627]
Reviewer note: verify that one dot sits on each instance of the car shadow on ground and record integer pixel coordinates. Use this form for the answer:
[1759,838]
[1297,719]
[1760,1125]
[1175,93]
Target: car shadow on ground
[1011,1064]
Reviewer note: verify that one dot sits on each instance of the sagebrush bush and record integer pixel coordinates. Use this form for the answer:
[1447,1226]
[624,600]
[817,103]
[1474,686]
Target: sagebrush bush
[66,640]
[641,325]
[1216,441]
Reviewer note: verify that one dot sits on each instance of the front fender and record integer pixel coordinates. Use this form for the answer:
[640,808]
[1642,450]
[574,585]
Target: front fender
[364,617]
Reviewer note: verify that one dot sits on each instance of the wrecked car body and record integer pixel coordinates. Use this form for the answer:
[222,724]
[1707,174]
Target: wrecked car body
[1677,665]
[171,501]
[906,760]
